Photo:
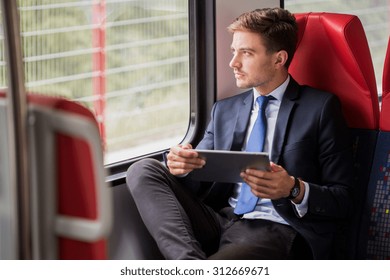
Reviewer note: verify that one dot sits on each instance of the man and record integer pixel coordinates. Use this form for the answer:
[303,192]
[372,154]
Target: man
[299,205]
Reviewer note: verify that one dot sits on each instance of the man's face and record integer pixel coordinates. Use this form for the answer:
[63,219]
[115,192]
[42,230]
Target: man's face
[252,65]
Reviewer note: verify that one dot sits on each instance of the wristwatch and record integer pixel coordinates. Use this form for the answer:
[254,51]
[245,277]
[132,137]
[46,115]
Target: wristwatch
[295,190]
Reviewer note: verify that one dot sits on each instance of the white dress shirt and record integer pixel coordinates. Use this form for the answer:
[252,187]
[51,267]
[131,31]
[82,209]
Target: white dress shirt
[264,208]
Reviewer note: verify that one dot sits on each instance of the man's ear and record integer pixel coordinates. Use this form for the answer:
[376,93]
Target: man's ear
[281,58]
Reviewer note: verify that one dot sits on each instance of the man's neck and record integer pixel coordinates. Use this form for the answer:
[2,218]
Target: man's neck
[272,85]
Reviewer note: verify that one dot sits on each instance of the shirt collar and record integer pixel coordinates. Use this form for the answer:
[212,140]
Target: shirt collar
[276,93]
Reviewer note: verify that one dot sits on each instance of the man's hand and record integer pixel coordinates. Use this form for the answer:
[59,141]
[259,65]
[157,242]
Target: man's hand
[273,184]
[182,159]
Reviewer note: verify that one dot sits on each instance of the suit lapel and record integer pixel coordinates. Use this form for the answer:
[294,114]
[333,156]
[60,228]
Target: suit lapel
[243,115]
[286,108]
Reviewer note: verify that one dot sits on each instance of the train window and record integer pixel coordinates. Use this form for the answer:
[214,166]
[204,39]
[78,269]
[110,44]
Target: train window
[374,16]
[127,60]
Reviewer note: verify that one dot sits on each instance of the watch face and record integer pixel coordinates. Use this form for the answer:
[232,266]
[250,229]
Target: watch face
[295,192]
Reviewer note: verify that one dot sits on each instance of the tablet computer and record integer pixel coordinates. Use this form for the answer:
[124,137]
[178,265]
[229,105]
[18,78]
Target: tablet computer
[226,166]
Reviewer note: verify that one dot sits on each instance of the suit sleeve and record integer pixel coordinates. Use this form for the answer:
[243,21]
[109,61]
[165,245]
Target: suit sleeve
[333,197]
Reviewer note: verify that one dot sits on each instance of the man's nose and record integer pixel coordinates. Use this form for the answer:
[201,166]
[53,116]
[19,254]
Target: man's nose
[234,63]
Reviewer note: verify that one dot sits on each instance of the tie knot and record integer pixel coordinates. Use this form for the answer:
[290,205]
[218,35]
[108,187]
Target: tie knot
[262,101]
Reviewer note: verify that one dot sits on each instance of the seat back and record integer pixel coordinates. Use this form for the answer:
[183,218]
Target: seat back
[333,55]
[375,230]
[71,204]
[73,208]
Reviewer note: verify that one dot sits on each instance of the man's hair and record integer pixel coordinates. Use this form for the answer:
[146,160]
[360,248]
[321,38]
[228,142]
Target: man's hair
[276,26]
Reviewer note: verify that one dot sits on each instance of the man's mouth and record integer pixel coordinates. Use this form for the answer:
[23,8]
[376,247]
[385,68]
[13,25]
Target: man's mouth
[238,75]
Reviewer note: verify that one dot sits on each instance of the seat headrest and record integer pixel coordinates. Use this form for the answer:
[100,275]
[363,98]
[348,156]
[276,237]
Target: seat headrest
[333,55]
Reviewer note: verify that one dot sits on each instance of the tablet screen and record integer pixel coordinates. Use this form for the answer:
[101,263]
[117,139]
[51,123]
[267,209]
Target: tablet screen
[226,166]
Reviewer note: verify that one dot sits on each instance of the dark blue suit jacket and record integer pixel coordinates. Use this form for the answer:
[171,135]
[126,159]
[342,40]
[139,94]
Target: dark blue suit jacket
[312,142]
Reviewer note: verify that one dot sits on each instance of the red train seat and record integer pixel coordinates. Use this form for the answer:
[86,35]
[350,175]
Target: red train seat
[75,207]
[71,205]
[333,55]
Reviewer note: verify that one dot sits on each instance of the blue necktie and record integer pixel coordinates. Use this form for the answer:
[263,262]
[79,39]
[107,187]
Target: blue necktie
[246,200]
